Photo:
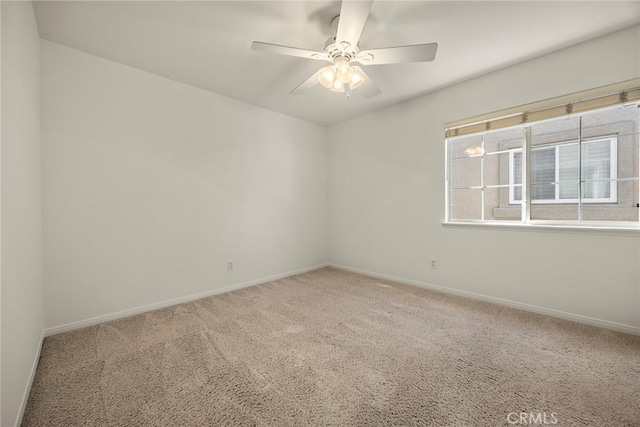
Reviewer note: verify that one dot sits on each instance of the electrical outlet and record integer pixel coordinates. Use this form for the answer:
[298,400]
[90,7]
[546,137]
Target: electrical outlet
[434,264]
[230,265]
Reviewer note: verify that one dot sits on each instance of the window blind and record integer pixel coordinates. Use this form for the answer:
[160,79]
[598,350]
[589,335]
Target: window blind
[543,174]
[605,96]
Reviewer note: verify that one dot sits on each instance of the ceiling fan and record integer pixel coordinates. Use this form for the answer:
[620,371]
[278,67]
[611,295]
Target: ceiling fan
[342,51]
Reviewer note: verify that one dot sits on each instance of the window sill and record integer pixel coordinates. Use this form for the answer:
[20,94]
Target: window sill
[631,231]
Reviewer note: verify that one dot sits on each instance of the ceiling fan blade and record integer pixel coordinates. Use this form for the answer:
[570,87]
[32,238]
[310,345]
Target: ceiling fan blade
[368,88]
[307,84]
[353,16]
[399,54]
[290,51]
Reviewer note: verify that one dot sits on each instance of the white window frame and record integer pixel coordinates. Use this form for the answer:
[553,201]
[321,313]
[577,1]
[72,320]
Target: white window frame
[613,175]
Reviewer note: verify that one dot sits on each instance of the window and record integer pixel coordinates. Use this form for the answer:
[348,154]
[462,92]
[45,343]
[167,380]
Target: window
[565,167]
[554,172]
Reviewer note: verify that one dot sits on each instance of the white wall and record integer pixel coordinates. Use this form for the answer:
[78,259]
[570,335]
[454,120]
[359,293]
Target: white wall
[22,310]
[386,196]
[150,186]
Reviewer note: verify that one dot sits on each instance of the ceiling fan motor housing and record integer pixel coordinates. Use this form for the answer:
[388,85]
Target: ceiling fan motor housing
[337,50]
[334,51]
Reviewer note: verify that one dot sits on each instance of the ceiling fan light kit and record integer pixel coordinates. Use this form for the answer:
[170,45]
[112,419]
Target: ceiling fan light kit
[342,51]
[341,77]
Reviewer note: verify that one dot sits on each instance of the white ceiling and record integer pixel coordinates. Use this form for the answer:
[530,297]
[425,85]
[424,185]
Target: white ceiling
[207,44]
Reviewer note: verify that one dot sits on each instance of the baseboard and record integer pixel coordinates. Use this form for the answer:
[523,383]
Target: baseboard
[32,375]
[619,327]
[133,311]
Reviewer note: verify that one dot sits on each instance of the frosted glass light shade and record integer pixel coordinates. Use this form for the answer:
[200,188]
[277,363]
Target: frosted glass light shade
[357,78]
[344,72]
[327,77]
[338,86]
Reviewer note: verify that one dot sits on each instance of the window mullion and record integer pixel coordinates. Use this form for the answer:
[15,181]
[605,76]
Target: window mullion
[482,179]
[613,169]
[526,176]
[447,196]
[556,187]
[580,168]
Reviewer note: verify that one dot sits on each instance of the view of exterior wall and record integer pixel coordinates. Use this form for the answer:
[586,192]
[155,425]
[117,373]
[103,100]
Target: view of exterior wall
[485,170]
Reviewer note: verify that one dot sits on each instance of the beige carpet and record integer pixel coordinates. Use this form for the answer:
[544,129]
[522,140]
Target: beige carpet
[336,348]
